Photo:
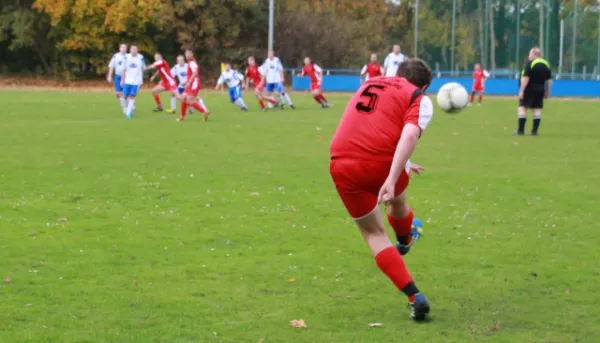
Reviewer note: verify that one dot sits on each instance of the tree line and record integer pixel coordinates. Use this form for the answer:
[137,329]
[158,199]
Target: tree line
[75,38]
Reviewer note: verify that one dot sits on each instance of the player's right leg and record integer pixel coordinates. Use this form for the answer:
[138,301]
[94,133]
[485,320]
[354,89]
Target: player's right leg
[174,97]
[357,183]
[285,96]
[156,94]
[522,115]
[119,92]
[401,218]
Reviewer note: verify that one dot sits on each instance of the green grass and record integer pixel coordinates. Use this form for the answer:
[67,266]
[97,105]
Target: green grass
[151,230]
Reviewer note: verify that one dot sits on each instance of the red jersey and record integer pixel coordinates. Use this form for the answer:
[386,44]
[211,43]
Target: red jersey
[165,72]
[373,69]
[312,71]
[375,116]
[191,70]
[479,75]
[253,74]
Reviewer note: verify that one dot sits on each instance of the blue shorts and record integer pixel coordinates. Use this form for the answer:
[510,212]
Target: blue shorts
[180,89]
[130,90]
[235,93]
[117,83]
[274,87]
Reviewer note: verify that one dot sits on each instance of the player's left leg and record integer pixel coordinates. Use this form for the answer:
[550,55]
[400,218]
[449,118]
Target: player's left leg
[235,95]
[401,218]
[156,94]
[390,262]
[522,115]
[285,96]
[537,120]
[473,93]
[480,96]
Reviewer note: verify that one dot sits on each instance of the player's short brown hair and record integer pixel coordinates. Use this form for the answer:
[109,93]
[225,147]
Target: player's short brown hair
[416,71]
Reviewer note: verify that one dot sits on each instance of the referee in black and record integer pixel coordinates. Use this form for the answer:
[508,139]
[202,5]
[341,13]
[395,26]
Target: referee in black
[535,84]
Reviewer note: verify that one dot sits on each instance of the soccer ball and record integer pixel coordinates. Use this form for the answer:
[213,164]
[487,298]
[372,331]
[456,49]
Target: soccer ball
[452,97]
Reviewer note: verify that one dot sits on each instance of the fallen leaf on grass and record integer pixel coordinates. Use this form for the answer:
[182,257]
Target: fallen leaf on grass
[375,325]
[262,340]
[254,194]
[319,139]
[567,291]
[298,323]
[62,219]
[8,280]
[292,280]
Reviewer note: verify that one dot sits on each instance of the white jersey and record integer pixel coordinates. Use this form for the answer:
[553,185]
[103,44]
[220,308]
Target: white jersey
[117,62]
[392,62]
[134,69]
[180,72]
[273,69]
[231,78]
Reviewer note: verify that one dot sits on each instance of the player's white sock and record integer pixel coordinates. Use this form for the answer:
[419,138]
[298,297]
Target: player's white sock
[123,103]
[201,102]
[287,99]
[173,103]
[130,106]
[240,103]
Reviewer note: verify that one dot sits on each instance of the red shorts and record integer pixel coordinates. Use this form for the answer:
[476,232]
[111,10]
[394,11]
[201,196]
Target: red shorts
[358,183]
[477,88]
[193,92]
[315,86]
[259,87]
[169,87]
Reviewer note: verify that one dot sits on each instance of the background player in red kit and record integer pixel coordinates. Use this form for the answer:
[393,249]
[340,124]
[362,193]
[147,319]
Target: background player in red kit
[369,165]
[167,81]
[479,77]
[315,73]
[371,69]
[192,87]
[253,74]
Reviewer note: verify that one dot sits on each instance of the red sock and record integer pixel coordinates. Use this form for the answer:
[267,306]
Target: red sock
[184,107]
[480,98]
[317,98]
[402,226]
[157,99]
[272,100]
[262,103]
[391,264]
[323,99]
[199,107]
[472,97]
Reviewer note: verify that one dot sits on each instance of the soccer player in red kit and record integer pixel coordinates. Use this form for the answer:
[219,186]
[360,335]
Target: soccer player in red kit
[479,77]
[253,74]
[371,69]
[192,87]
[370,165]
[315,73]
[167,81]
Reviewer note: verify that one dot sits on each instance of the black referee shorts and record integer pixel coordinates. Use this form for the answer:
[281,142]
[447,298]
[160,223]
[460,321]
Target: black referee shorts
[532,99]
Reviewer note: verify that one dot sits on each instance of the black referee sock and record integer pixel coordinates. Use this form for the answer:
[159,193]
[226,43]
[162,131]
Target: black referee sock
[522,121]
[536,124]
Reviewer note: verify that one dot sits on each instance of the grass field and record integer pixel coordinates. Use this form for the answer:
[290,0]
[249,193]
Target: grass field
[151,230]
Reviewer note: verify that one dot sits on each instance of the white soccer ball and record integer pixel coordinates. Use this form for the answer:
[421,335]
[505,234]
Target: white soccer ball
[452,97]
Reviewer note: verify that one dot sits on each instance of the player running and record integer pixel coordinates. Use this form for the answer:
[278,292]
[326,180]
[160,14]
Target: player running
[255,74]
[233,79]
[133,79]
[370,165]
[392,61]
[192,88]
[371,69]
[479,77]
[178,71]
[116,66]
[316,78]
[274,77]
[167,81]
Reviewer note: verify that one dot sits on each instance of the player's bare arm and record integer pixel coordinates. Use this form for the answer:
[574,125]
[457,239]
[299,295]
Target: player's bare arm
[109,75]
[404,149]
[548,87]
[524,83]
[153,75]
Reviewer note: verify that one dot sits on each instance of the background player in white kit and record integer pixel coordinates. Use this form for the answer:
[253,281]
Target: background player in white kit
[178,71]
[275,78]
[233,79]
[133,79]
[392,61]
[116,66]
